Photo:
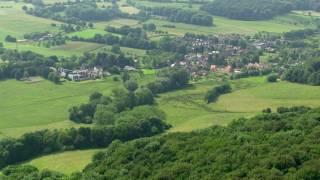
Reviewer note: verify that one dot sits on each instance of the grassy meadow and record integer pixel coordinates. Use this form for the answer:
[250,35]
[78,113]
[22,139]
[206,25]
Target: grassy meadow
[66,162]
[69,49]
[30,106]
[11,13]
[186,109]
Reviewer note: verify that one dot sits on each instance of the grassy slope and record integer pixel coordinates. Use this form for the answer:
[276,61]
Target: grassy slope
[28,107]
[43,104]
[186,109]
[69,49]
[228,26]
[66,162]
[9,18]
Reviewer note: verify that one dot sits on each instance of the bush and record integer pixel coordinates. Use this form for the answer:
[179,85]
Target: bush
[272,78]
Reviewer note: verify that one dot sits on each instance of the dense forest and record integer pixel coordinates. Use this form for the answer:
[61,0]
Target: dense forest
[281,145]
[257,9]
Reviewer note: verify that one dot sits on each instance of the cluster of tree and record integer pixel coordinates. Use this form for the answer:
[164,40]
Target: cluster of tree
[269,146]
[299,34]
[308,74]
[139,122]
[169,79]
[30,172]
[181,15]
[272,78]
[248,72]
[213,94]
[130,40]
[35,35]
[10,38]
[149,27]
[90,12]
[156,59]
[24,64]
[104,110]
[248,9]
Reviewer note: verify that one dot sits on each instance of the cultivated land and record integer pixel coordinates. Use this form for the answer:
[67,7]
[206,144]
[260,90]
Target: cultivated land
[66,162]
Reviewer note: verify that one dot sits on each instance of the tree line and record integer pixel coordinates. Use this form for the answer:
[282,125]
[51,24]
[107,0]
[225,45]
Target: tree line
[139,122]
[180,15]
[308,74]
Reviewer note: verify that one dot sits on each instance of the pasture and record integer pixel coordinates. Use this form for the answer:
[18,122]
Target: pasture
[66,162]
[30,106]
[69,49]
[186,109]
[228,26]
[11,13]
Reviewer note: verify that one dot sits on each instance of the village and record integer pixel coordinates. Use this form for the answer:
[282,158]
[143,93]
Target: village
[215,55]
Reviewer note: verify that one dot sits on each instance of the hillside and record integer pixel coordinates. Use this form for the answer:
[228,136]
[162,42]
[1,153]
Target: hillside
[275,145]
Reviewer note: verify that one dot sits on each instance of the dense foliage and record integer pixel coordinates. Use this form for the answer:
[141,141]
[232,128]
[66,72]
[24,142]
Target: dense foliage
[169,79]
[308,74]
[213,94]
[104,109]
[282,145]
[181,15]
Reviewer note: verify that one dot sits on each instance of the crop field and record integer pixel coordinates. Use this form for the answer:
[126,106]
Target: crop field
[186,109]
[66,162]
[11,13]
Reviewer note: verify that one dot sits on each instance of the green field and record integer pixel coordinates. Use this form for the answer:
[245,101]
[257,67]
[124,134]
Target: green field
[87,33]
[69,49]
[186,109]
[12,13]
[29,106]
[66,162]
[228,26]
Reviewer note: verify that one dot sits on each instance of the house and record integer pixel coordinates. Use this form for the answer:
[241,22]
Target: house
[129,68]
[84,74]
